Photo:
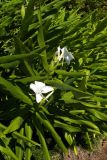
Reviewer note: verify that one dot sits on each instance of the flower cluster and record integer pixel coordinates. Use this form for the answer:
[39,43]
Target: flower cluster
[64,54]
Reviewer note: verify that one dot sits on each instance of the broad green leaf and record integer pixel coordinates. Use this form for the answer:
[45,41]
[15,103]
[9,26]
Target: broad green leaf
[15,91]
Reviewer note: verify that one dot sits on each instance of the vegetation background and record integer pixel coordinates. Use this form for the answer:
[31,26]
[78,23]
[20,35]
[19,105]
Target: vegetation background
[76,113]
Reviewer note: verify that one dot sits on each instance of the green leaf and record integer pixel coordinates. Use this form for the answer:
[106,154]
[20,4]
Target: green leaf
[8,152]
[20,136]
[63,86]
[23,11]
[10,65]
[66,127]
[75,112]
[41,42]
[98,114]
[70,74]
[28,132]
[15,91]
[31,79]
[48,125]
[90,105]
[100,26]
[6,59]
[88,140]
[68,138]
[41,138]
[79,122]
[20,146]
[67,97]
[27,19]
[14,125]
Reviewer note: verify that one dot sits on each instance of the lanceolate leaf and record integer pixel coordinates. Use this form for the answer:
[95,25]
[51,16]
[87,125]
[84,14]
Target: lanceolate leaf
[20,146]
[15,91]
[70,74]
[10,65]
[51,129]
[9,58]
[98,114]
[27,19]
[79,122]
[28,132]
[63,86]
[8,152]
[14,125]
[100,26]
[66,127]
[20,136]
[41,138]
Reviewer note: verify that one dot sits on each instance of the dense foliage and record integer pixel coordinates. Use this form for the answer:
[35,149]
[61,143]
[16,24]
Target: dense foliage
[30,36]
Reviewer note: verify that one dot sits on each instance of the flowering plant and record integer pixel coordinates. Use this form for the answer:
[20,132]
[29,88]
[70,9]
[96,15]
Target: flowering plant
[76,91]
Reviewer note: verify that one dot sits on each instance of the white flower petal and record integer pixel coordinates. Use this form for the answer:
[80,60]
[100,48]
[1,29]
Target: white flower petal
[68,56]
[33,87]
[58,51]
[39,97]
[40,88]
[47,89]
[39,84]
[68,59]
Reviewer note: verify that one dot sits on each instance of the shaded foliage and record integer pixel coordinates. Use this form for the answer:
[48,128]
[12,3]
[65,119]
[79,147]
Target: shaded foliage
[78,105]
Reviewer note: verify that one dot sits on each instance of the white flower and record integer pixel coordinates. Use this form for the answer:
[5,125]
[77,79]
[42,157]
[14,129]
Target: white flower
[39,88]
[64,54]
[58,53]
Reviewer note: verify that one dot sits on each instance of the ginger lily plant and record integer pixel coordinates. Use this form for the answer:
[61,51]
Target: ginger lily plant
[77,109]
